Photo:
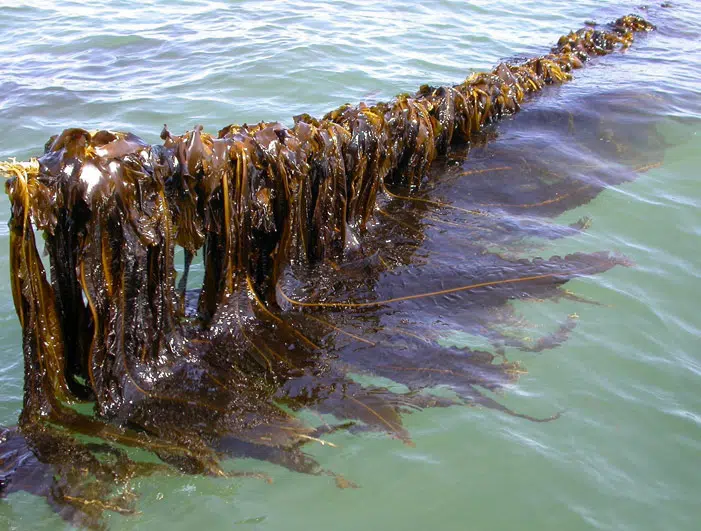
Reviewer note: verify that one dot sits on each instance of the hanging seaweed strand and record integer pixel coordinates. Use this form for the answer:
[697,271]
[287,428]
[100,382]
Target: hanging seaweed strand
[191,374]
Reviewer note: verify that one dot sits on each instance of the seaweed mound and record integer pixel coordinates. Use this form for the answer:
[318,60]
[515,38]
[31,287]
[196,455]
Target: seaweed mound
[303,232]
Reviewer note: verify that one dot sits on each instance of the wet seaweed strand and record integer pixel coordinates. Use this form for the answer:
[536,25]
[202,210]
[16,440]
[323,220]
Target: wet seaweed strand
[267,206]
[256,199]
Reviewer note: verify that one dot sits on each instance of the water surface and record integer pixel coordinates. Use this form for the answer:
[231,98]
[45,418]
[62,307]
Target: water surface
[626,453]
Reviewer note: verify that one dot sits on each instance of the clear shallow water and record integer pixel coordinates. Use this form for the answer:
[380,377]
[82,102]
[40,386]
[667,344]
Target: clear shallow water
[626,452]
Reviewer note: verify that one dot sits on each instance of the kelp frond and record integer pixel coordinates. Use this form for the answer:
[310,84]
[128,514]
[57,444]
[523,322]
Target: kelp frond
[320,281]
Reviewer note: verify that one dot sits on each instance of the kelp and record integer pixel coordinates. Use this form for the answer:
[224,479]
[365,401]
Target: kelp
[331,265]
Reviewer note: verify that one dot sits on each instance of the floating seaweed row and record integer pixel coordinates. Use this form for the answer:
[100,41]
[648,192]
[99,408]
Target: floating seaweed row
[111,325]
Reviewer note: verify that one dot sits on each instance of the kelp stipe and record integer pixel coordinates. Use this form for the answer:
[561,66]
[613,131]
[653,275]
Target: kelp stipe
[303,233]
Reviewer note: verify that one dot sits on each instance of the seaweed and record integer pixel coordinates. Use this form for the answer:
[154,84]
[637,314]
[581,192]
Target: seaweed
[330,258]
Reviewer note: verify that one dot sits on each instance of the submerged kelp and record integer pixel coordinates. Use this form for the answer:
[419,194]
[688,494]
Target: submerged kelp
[330,259]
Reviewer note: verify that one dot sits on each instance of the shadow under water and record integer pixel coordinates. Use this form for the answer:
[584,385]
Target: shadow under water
[336,253]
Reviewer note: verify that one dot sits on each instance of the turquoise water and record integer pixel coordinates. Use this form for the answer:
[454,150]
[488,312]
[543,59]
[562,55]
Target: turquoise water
[626,452]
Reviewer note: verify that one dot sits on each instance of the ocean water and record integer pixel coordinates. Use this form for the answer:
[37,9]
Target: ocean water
[625,453]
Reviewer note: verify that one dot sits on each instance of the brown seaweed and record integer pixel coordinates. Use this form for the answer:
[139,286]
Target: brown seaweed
[330,256]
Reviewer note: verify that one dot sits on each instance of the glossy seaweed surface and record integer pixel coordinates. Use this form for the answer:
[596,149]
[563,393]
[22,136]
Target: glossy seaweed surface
[338,255]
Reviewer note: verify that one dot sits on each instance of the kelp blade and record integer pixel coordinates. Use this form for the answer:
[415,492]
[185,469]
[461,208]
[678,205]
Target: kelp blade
[302,231]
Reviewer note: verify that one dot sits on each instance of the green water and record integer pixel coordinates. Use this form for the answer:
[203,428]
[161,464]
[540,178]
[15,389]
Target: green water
[626,452]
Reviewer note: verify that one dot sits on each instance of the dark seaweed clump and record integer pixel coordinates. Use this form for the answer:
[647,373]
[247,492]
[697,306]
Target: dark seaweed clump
[329,260]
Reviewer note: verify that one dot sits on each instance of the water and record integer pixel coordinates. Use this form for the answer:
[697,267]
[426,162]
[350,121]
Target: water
[626,452]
